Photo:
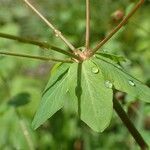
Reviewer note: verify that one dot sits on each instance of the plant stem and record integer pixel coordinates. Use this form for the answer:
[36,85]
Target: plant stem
[57,32]
[37,43]
[123,22]
[35,57]
[127,122]
[87,38]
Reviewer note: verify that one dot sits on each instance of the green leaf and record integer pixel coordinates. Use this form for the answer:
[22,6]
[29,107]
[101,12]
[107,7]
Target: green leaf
[123,81]
[53,97]
[93,98]
[115,58]
[55,67]
[72,85]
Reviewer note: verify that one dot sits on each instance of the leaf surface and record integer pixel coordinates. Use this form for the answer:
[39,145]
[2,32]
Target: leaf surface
[123,81]
[115,58]
[94,99]
[53,97]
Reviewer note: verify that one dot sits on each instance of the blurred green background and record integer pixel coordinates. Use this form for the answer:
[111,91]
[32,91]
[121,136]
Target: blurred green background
[23,80]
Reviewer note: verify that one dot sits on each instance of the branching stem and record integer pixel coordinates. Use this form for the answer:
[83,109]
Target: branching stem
[35,57]
[56,31]
[37,43]
[127,122]
[123,22]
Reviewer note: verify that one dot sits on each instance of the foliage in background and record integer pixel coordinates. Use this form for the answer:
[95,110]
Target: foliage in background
[25,79]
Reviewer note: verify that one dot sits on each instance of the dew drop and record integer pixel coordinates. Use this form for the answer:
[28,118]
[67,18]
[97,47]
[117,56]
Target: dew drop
[57,33]
[95,70]
[67,90]
[108,84]
[131,83]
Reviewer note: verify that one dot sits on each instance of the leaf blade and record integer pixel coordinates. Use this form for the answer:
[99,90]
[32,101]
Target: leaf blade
[53,97]
[115,58]
[96,104]
[123,81]
[94,100]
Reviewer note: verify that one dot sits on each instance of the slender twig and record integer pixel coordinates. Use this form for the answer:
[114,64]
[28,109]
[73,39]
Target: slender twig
[37,43]
[56,31]
[123,22]
[87,38]
[35,57]
[130,126]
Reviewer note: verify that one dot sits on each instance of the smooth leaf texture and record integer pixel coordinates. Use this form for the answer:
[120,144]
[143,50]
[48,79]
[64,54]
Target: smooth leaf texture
[123,81]
[115,58]
[94,99]
[53,97]
[72,85]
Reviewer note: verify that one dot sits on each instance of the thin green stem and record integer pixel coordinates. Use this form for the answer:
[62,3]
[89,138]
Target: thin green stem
[87,38]
[35,57]
[56,31]
[130,126]
[37,43]
[123,22]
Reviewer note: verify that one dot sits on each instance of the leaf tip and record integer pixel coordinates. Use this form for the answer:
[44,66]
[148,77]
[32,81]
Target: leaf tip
[35,125]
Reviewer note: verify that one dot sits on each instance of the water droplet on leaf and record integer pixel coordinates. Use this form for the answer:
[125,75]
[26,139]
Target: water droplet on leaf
[131,83]
[95,70]
[67,90]
[108,84]
[57,33]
